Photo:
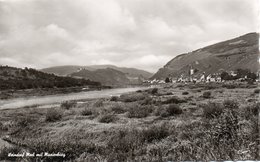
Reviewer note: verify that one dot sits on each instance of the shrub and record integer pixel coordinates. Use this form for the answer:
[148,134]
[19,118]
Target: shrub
[108,118]
[155,133]
[86,112]
[24,121]
[174,100]
[53,115]
[206,94]
[185,93]
[212,110]
[132,97]
[169,93]
[114,98]
[154,91]
[147,101]
[68,104]
[257,91]
[230,104]
[136,111]
[118,109]
[173,109]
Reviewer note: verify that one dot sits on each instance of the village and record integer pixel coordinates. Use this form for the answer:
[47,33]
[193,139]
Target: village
[239,75]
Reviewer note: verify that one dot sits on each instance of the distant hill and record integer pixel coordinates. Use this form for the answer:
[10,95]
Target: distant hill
[106,76]
[62,70]
[69,69]
[17,78]
[241,52]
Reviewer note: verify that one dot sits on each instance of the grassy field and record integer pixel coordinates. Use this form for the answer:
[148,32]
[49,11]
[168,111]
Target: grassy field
[174,123]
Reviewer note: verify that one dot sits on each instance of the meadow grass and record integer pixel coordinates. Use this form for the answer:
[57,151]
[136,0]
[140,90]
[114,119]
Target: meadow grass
[143,126]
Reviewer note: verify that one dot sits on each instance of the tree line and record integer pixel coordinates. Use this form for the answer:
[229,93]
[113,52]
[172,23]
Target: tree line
[28,78]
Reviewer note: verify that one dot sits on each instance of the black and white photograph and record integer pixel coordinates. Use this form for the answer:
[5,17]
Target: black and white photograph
[129,80]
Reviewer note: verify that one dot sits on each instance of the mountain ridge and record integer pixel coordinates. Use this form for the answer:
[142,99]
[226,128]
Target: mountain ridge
[68,69]
[108,76]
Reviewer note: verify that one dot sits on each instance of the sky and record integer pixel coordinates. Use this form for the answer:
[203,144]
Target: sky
[143,34]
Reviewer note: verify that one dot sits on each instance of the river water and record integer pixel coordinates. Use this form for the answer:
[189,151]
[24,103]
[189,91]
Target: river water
[52,99]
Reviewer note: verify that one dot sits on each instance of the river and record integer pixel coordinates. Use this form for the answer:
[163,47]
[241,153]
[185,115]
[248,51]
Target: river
[52,99]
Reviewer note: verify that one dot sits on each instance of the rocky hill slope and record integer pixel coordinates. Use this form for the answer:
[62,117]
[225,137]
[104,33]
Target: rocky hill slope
[241,52]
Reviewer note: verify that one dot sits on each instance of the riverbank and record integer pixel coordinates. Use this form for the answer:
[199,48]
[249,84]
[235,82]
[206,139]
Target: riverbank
[173,123]
[56,98]
[9,94]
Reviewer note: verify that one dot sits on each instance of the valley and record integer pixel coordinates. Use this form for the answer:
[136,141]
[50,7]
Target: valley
[199,106]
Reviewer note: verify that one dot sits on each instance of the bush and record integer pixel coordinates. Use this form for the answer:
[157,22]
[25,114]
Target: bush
[114,98]
[132,97]
[24,121]
[155,133]
[171,110]
[136,111]
[147,101]
[53,115]
[68,104]
[174,100]
[108,118]
[257,91]
[185,93]
[118,109]
[230,104]
[206,94]
[212,110]
[86,112]
[154,91]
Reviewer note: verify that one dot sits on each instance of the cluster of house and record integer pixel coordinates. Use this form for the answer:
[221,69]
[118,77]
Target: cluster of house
[215,77]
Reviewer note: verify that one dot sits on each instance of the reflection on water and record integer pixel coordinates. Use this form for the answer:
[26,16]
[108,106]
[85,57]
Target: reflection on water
[41,100]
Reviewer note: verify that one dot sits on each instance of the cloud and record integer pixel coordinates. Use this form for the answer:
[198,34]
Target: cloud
[133,33]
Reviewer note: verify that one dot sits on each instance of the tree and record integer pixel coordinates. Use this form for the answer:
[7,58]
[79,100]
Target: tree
[225,76]
[167,80]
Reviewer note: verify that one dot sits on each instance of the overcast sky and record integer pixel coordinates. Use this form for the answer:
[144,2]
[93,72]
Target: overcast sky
[144,34]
